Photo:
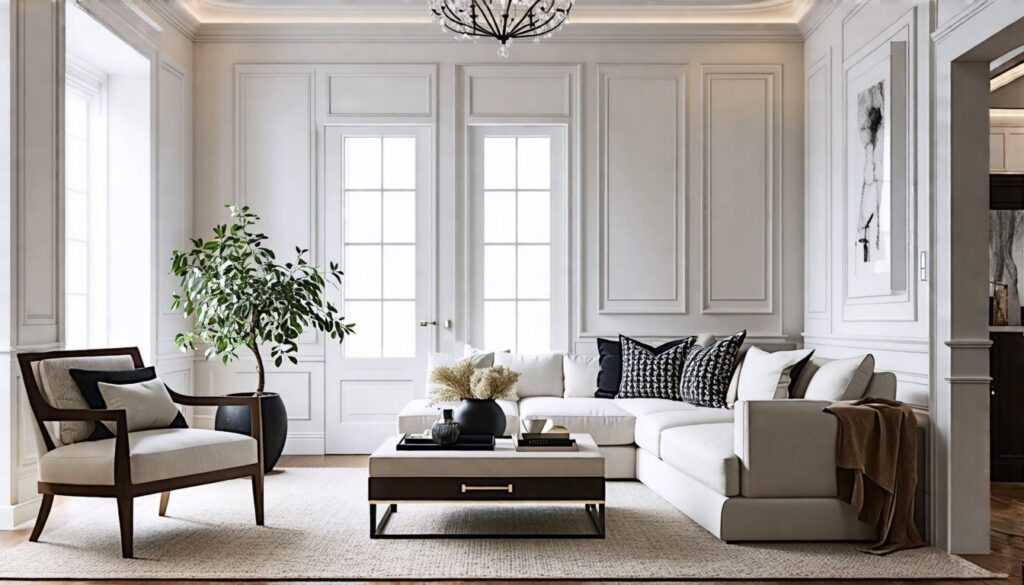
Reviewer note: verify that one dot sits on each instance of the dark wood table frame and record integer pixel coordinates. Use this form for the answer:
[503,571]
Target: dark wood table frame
[391,491]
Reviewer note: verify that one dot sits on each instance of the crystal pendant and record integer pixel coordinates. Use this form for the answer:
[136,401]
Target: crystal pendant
[503,51]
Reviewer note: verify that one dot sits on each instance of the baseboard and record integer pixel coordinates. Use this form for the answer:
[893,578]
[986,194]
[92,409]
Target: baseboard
[304,444]
[13,516]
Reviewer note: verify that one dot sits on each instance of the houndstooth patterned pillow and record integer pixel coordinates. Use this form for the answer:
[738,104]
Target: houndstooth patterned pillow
[708,370]
[650,373]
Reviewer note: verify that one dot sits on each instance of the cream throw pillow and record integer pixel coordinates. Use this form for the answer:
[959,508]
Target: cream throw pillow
[539,375]
[845,379]
[147,405]
[580,375]
[765,376]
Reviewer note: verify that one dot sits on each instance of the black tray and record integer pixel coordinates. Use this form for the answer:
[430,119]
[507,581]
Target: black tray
[466,443]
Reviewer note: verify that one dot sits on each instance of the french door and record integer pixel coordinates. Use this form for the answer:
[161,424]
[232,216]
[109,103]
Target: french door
[378,204]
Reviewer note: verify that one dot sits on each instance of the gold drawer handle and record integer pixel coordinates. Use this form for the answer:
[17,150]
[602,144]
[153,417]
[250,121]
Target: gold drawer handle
[487,488]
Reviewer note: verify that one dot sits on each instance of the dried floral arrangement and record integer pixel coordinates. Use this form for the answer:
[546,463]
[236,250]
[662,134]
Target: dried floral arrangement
[461,380]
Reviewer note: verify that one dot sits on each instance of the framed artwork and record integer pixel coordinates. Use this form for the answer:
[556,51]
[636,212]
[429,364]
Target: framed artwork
[876,190]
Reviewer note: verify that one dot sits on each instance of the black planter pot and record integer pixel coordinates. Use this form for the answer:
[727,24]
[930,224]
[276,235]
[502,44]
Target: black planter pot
[480,417]
[236,419]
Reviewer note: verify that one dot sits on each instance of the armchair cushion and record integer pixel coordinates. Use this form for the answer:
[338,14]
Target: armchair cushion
[88,382]
[155,455]
[147,405]
[61,391]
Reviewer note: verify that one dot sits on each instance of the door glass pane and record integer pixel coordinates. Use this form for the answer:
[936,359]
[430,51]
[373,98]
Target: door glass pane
[77,263]
[366,343]
[77,163]
[77,310]
[76,205]
[534,272]
[399,272]
[399,329]
[362,272]
[400,217]
[362,162]
[499,162]
[533,327]
[534,162]
[534,217]
[499,217]
[362,216]
[516,238]
[499,272]
[399,162]
[500,325]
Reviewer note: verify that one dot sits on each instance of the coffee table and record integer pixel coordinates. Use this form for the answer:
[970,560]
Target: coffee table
[501,476]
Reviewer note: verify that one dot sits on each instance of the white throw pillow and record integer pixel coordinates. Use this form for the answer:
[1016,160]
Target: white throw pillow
[147,405]
[580,375]
[765,376]
[539,375]
[845,379]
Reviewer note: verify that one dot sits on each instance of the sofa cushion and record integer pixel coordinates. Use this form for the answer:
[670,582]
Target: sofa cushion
[539,375]
[650,427]
[155,455]
[767,376]
[705,453]
[580,372]
[418,415]
[844,379]
[651,373]
[602,419]
[640,406]
[147,405]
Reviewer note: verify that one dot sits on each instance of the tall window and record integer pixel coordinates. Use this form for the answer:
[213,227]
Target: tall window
[518,244]
[76,205]
[379,211]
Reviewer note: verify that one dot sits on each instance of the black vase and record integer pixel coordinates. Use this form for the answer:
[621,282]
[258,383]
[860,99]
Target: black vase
[235,418]
[480,417]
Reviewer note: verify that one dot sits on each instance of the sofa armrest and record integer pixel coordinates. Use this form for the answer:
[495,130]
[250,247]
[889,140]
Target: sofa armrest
[786,448]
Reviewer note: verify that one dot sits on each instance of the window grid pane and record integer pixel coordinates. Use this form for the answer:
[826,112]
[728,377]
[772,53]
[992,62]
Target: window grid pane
[379,206]
[76,221]
[516,243]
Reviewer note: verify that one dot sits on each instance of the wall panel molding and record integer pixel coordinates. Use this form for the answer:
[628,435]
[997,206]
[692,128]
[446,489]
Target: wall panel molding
[542,92]
[384,91]
[818,189]
[742,129]
[642,202]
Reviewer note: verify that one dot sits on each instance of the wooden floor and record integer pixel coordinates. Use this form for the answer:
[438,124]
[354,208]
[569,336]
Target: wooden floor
[1007,527]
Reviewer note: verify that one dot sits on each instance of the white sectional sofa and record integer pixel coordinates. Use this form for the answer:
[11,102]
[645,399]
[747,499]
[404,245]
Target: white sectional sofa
[762,471]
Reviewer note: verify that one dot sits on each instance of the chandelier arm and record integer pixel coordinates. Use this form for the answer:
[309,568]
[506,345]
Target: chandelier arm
[504,21]
[523,23]
[540,29]
[489,17]
[472,29]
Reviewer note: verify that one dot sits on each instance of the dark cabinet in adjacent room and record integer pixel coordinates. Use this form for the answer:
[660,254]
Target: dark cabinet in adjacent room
[1006,362]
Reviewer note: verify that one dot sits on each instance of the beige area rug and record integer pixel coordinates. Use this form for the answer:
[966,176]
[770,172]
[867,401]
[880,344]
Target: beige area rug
[318,522]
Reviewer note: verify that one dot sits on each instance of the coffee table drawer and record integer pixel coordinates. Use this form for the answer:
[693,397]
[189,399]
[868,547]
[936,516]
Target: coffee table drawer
[487,489]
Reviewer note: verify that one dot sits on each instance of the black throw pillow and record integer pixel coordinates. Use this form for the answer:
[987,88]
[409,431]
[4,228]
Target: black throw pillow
[649,372]
[88,382]
[708,371]
[609,376]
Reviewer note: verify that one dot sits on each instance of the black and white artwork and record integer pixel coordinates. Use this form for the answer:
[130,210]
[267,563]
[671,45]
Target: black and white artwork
[1006,257]
[871,128]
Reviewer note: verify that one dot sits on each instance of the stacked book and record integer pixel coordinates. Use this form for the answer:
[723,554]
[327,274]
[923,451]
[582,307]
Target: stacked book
[553,440]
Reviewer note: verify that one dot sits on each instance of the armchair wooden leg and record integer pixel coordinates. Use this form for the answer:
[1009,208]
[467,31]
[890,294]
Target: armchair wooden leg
[257,497]
[165,497]
[44,513]
[125,513]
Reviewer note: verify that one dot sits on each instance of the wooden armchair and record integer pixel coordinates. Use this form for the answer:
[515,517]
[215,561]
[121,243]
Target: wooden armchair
[134,463]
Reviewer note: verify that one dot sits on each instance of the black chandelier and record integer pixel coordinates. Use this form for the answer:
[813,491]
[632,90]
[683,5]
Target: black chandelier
[503,20]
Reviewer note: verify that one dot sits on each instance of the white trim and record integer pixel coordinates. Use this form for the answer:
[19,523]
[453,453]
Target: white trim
[178,16]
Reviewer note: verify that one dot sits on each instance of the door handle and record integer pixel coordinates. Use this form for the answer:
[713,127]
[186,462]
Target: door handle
[487,488]
[425,323]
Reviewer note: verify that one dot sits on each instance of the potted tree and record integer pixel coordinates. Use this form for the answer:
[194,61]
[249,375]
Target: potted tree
[239,296]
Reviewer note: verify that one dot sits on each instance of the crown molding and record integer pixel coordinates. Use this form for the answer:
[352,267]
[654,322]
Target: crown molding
[178,16]
[817,13]
[423,33]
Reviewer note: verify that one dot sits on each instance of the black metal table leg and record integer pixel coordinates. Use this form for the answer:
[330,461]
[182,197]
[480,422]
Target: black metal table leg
[377,529]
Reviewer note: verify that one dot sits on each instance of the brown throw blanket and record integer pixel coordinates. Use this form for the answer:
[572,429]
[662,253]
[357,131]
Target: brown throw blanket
[876,463]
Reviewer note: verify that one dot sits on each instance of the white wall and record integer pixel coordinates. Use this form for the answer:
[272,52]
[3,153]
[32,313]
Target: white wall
[724,197]
[893,327]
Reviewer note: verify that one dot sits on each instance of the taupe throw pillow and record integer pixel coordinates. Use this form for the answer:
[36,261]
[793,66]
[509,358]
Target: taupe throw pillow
[147,405]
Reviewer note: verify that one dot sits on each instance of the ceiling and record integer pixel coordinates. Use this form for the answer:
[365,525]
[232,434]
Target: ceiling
[409,11]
